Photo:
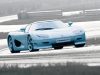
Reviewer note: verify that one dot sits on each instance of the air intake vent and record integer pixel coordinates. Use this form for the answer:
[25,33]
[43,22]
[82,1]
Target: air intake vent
[17,43]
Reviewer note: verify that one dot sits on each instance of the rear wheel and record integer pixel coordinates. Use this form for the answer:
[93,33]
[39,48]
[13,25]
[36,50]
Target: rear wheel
[79,45]
[58,47]
[30,44]
[10,45]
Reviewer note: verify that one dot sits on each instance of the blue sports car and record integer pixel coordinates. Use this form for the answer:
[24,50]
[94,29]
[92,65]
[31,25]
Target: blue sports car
[46,34]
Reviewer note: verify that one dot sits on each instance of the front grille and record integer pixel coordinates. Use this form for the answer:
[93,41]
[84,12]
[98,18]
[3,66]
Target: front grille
[63,44]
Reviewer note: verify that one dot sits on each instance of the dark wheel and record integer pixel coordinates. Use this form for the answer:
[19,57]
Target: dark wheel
[10,45]
[58,47]
[80,45]
[30,44]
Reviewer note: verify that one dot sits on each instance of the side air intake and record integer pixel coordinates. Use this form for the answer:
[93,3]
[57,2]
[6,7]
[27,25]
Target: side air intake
[17,43]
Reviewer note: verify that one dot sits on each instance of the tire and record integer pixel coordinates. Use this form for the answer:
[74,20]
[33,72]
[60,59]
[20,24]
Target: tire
[30,44]
[79,45]
[58,47]
[10,45]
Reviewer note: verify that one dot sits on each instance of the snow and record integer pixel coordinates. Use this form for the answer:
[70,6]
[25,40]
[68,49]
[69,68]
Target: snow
[6,28]
[93,34]
[87,26]
[3,42]
[62,60]
[8,18]
[71,13]
[77,12]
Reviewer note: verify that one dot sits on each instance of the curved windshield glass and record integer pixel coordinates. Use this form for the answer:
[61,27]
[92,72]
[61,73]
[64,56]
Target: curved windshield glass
[48,25]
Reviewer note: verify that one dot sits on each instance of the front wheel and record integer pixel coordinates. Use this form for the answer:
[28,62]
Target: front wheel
[10,45]
[30,44]
[80,45]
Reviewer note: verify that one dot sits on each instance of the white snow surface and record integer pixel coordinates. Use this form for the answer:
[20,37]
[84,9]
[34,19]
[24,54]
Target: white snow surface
[71,13]
[8,18]
[87,26]
[53,61]
[10,28]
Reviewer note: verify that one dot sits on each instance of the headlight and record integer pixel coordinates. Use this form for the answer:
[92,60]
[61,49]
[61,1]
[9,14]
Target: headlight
[42,36]
[78,31]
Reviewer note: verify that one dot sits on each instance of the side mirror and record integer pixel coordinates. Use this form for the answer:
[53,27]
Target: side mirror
[70,23]
[22,29]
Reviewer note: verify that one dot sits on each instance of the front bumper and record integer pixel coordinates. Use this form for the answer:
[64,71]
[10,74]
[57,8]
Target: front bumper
[80,39]
[49,43]
[62,41]
[63,44]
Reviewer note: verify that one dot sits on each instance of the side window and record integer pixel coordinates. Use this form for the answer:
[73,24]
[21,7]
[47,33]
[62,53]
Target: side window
[27,28]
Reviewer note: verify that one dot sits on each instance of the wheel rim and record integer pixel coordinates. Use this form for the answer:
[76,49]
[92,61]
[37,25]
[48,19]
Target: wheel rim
[30,47]
[30,43]
[10,43]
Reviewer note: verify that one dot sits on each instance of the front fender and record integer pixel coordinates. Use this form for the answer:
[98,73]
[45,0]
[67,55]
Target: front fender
[19,40]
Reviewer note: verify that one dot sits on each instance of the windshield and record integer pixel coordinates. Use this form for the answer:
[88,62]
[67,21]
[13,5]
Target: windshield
[48,25]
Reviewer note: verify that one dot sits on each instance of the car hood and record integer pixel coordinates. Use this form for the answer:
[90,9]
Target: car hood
[54,33]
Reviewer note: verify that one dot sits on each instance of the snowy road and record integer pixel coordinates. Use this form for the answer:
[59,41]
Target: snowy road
[87,55]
